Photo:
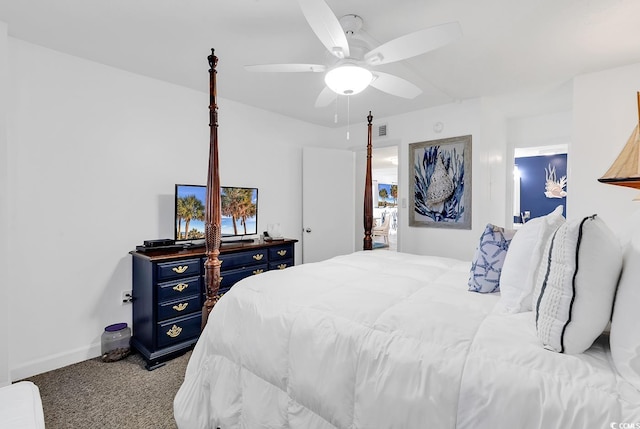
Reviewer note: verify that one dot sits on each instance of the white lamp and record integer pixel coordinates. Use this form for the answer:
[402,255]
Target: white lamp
[348,79]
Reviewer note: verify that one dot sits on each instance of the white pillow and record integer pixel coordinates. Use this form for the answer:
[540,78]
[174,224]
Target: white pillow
[624,335]
[576,285]
[522,260]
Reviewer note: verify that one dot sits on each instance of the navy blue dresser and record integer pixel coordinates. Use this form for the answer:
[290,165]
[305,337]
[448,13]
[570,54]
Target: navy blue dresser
[168,291]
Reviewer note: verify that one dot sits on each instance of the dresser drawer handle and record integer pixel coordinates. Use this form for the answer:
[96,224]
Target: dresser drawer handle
[282,252]
[180,306]
[258,271]
[258,257]
[181,269]
[282,266]
[174,331]
[180,287]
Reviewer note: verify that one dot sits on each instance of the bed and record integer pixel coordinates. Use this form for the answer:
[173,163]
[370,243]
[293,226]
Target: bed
[21,406]
[380,339]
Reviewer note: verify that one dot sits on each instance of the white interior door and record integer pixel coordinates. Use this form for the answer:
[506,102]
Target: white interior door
[327,203]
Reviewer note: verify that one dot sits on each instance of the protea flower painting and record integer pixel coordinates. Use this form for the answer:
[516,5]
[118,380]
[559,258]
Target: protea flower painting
[441,183]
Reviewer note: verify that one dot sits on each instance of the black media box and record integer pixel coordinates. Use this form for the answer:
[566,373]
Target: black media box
[158,243]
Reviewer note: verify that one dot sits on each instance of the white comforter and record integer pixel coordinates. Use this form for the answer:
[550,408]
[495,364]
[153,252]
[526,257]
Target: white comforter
[388,340]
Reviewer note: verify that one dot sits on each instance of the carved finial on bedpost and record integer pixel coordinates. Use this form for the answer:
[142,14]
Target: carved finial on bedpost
[368,199]
[212,222]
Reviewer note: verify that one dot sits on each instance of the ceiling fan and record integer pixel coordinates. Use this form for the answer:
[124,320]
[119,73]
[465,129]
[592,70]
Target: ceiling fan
[353,68]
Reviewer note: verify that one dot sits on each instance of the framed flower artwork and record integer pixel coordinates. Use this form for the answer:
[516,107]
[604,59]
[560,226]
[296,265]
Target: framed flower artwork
[440,183]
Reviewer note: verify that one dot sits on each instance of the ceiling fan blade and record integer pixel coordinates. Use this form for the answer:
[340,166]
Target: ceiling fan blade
[324,23]
[413,44]
[394,85]
[325,97]
[287,68]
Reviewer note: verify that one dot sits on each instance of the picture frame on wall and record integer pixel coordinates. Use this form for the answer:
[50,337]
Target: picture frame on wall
[387,195]
[440,183]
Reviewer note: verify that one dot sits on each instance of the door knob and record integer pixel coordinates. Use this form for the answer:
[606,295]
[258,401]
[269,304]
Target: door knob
[307,230]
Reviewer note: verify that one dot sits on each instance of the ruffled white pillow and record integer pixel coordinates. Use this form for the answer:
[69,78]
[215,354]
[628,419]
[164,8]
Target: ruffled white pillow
[576,285]
[522,260]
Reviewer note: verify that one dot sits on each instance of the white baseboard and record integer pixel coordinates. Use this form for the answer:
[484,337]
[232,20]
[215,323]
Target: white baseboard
[52,362]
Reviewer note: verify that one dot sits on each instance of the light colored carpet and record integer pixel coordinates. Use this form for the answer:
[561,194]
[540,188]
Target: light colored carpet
[115,395]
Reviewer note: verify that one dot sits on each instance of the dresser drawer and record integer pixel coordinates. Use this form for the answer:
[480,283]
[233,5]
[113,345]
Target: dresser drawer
[178,330]
[280,252]
[171,309]
[231,277]
[179,289]
[183,268]
[281,265]
[169,290]
[242,259]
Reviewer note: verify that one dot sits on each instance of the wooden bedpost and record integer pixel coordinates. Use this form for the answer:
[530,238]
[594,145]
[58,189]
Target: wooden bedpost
[368,199]
[212,222]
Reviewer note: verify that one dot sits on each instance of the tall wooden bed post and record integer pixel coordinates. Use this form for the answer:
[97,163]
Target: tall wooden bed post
[368,199]
[212,222]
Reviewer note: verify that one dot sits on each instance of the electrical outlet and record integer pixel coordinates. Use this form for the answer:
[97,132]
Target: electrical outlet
[126,297]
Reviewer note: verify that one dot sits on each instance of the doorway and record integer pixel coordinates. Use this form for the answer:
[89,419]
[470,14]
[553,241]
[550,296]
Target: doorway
[539,181]
[384,173]
[327,203]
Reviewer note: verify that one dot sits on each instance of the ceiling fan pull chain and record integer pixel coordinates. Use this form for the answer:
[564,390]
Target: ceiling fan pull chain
[335,116]
[348,116]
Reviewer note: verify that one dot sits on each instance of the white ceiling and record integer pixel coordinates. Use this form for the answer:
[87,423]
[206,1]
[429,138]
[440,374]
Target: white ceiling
[507,45]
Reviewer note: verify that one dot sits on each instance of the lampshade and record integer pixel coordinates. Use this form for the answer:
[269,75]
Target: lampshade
[348,79]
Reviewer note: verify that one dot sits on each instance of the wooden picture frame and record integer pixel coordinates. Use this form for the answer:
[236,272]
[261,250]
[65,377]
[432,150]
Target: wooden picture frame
[440,183]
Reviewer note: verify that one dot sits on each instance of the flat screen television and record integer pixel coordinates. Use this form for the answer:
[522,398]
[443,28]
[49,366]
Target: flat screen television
[239,212]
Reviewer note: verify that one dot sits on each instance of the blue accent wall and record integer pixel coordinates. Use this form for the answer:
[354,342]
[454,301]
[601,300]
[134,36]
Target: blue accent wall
[533,180]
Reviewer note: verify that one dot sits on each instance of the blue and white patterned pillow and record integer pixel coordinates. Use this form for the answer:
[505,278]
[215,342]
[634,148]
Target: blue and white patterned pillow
[489,258]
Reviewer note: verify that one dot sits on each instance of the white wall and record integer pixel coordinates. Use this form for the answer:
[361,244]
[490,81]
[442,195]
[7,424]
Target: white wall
[540,130]
[4,224]
[605,112]
[469,117]
[602,115]
[93,155]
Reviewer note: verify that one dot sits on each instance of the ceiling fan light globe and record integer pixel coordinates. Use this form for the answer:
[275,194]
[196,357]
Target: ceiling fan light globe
[348,79]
